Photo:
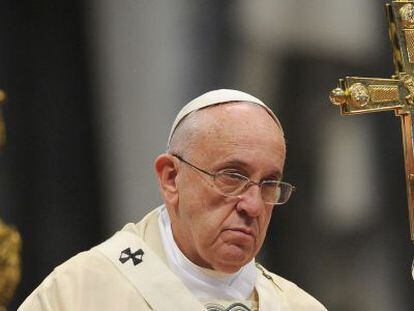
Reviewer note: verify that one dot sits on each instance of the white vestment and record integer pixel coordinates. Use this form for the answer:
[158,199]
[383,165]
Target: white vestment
[129,272]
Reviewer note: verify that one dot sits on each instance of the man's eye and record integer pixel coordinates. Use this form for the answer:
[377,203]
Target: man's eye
[271,184]
[234,176]
[271,181]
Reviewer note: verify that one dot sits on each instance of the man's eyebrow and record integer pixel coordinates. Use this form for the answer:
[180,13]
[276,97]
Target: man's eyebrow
[274,175]
[238,164]
[233,163]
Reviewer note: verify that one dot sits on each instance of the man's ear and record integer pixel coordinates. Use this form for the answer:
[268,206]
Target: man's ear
[166,170]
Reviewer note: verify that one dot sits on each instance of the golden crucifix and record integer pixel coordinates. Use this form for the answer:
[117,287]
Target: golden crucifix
[359,95]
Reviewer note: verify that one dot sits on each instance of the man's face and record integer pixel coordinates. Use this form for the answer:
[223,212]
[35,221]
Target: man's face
[215,231]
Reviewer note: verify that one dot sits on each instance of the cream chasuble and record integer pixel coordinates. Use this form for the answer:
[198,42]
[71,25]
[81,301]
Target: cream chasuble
[129,272]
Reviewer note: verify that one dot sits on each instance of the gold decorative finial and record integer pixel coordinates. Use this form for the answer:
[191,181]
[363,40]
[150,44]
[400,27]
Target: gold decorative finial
[337,96]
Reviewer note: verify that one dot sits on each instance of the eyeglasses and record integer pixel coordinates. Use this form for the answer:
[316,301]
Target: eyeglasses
[233,184]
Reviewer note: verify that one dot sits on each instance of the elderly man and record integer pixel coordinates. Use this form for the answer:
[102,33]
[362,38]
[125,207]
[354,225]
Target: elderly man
[220,180]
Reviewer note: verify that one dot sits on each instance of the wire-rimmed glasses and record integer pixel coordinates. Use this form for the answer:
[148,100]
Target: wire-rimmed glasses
[232,184]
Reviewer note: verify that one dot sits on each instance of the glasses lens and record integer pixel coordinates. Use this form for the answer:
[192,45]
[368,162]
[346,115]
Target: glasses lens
[276,192]
[233,184]
[230,183]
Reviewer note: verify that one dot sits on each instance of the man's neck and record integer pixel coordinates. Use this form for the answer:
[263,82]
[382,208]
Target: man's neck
[205,283]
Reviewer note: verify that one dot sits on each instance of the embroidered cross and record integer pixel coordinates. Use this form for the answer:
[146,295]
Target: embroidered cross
[238,306]
[127,255]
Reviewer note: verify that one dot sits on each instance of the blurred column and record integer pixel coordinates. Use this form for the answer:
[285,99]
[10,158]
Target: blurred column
[142,71]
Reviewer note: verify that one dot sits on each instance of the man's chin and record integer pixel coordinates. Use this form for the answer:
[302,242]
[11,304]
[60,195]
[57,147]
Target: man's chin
[232,259]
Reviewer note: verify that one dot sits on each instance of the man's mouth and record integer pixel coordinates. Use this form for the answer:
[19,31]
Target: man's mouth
[242,231]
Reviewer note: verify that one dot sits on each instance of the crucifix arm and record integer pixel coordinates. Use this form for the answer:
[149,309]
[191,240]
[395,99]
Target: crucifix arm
[357,95]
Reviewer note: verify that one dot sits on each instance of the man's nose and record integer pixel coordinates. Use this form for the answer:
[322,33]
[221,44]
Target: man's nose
[251,201]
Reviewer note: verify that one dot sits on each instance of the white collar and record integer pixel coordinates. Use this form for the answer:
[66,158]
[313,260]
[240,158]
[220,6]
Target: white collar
[205,283]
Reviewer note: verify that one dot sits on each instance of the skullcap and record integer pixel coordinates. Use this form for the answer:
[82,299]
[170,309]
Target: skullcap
[218,97]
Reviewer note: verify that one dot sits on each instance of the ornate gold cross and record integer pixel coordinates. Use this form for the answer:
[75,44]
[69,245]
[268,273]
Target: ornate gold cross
[359,95]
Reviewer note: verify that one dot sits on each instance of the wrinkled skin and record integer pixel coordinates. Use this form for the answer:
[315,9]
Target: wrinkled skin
[212,230]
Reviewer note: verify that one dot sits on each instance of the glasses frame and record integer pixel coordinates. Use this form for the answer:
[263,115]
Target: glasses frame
[245,187]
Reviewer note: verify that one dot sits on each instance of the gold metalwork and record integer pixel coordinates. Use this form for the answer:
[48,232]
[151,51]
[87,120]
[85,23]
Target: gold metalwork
[409,41]
[337,96]
[10,245]
[407,15]
[397,93]
[383,93]
[409,86]
[359,95]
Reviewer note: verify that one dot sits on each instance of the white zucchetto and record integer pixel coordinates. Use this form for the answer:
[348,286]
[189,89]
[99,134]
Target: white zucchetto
[218,97]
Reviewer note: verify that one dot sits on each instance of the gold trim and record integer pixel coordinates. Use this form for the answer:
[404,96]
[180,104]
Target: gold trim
[383,93]
[409,41]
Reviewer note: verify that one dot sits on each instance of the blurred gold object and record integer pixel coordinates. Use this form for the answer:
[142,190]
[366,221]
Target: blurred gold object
[10,245]
[359,95]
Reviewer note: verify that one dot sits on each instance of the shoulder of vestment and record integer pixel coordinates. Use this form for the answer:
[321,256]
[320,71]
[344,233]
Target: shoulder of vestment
[294,297]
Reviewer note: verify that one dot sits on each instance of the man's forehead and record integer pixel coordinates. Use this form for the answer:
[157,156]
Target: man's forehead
[234,116]
[218,97]
[237,134]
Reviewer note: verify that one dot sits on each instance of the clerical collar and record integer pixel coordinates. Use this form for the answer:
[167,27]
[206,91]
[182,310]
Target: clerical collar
[205,283]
